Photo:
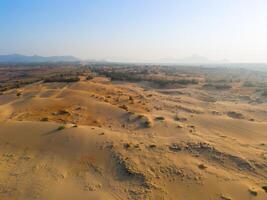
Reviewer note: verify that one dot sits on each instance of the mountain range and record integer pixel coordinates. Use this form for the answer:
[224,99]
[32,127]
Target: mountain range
[18,58]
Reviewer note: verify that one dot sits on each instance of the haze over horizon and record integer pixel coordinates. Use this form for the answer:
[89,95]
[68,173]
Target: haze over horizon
[136,31]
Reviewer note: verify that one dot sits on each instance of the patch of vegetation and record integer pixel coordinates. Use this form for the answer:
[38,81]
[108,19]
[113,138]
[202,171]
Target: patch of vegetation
[235,115]
[62,78]
[124,107]
[160,118]
[61,127]
[152,146]
[89,77]
[148,124]
[145,121]
[126,145]
[202,166]
[135,74]
[61,112]
[256,84]
[44,119]
[163,82]
[217,86]
[264,94]
[249,84]
[131,98]
[225,198]
[175,147]
[180,119]
[253,192]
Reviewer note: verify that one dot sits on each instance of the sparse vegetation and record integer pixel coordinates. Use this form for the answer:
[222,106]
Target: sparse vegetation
[61,112]
[148,124]
[152,146]
[18,75]
[44,119]
[253,192]
[89,77]
[264,93]
[235,115]
[180,119]
[202,166]
[217,86]
[225,198]
[248,84]
[61,127]
[135,74]
[175,147]
[124,107]
[160,118]
[126,145]
[62,78]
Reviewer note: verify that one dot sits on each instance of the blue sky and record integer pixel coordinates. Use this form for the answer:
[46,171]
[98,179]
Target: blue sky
[136,30]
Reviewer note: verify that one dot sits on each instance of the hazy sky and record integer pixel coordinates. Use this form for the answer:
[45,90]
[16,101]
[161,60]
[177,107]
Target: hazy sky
[136,30]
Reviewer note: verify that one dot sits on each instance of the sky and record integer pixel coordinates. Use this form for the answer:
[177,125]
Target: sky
[136,30]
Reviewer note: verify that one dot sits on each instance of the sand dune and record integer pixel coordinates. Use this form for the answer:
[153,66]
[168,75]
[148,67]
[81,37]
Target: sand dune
[101,140]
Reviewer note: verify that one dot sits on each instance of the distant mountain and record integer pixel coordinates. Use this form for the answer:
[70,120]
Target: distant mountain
[18,58]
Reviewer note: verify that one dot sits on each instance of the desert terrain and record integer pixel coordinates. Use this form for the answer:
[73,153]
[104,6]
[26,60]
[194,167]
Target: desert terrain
[132,132]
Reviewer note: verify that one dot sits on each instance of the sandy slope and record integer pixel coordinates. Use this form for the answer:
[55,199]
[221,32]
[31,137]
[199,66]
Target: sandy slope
[129,144]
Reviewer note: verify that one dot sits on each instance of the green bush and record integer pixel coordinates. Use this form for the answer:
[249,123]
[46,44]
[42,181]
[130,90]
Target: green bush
[61,127]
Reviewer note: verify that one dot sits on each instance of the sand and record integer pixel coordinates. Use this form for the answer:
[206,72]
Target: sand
[101,140]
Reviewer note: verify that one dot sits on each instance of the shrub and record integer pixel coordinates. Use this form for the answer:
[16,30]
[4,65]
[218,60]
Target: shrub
[89,77]
[148,124]
[253,192]
[248,84]
[61,78]
[61,127]
[152,146]
[202,166]
[235,115]
[44,119]
[181,119]
[160,118]
[264,94]
[218,86]
[124,107]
